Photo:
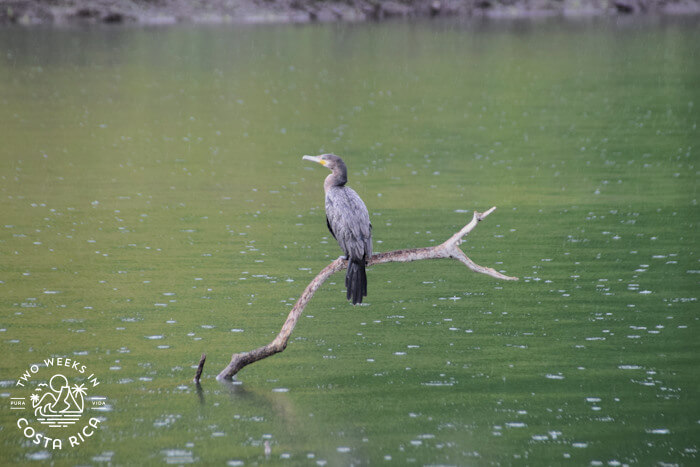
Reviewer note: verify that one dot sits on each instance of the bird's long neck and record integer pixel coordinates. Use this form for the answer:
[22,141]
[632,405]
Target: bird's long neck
[339,177]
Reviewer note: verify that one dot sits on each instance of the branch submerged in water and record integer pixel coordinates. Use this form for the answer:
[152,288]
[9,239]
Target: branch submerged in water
[448,249]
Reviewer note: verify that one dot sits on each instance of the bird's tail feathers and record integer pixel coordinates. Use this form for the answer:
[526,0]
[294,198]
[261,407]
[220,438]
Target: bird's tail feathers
[356,281]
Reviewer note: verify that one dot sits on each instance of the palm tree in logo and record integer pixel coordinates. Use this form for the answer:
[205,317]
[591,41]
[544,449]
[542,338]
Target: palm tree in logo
[78,392]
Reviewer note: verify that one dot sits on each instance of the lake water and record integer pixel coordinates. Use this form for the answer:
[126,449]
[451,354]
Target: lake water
[154,206]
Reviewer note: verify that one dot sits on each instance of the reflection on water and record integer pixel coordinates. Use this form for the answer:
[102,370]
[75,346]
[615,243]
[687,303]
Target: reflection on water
[287,421]
[154,207]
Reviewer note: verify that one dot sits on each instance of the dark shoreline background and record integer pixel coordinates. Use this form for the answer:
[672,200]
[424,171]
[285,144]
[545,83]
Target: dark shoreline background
[63,12]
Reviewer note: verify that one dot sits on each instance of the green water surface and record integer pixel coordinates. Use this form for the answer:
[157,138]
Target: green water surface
[154,206]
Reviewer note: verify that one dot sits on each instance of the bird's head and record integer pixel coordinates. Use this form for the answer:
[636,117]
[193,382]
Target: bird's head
[335,164]
[330,161]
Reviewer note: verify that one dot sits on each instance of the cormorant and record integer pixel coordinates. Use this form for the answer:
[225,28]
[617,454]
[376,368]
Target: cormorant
[348,220]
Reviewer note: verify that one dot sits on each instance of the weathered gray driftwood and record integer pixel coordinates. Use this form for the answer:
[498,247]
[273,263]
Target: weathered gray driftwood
[448,249]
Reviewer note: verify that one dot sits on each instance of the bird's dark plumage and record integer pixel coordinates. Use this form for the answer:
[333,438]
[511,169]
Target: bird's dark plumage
[348,221]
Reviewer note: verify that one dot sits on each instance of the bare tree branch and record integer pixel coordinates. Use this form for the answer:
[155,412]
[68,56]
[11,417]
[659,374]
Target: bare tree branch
[448,249]
[200,367]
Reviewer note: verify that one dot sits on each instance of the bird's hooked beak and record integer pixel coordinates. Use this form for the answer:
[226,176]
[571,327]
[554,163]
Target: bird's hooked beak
[316,159]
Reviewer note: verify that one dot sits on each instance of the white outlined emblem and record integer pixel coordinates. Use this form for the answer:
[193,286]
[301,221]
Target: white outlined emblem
[57,404]
[52,414]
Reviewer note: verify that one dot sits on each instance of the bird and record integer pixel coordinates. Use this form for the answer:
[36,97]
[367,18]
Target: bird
[348,221]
